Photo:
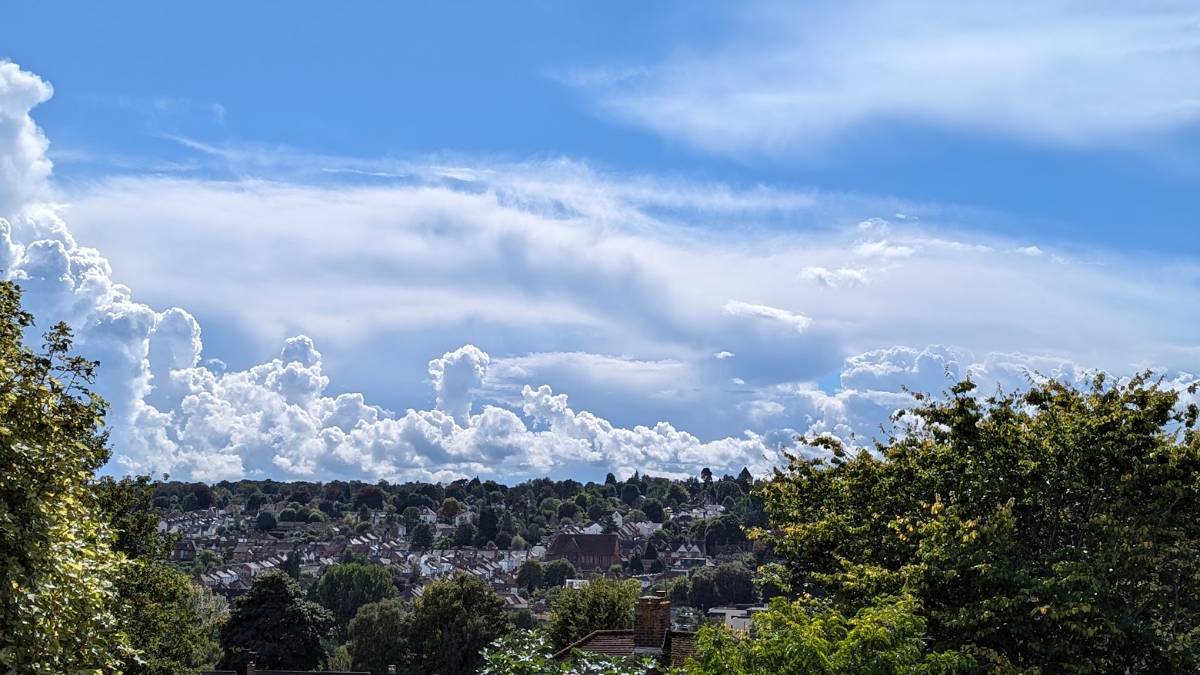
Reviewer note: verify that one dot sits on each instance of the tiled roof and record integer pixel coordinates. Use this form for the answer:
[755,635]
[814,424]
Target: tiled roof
[680,645]
[611,642]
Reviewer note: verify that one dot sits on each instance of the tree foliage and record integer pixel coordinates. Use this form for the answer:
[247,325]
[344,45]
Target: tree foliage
[603,604]
[452,621]
[346,587]
[1055,530]
[808,636]
[274,621]
[378,637]
[57,604]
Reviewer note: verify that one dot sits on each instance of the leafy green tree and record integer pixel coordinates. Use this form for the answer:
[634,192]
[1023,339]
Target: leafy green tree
[156,607]
[452,621]
[529,575]
[489,521]
[630,494]
[156,610]
[1057,529]
[464,534]
[346,587]
[370,497]
[378,637]
[265,521]
[679,592]
[808,636]
[556,572]
[450,509]
[291,565]
[57,604]
[422,537]
[703,592]
[568,510]
[653,508]
[735,584]
[128,506]
[410,516]
[274,621]
[528,652]
[603,604]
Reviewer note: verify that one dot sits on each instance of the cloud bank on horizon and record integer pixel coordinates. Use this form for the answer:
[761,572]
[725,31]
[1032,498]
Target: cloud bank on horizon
[614,289]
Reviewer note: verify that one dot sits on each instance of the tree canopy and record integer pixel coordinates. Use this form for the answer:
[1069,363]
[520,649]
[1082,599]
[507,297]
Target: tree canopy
[1056,529]
[603,604]
[274,621]
[346,587]
[452,621]
[57,604]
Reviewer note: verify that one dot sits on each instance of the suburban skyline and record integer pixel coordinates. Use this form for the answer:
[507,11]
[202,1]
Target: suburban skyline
[556,255]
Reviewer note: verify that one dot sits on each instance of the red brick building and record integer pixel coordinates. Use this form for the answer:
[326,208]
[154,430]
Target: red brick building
[593,552]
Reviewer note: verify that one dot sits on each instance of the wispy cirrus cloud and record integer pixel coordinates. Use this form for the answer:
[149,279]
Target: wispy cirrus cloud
[792,78]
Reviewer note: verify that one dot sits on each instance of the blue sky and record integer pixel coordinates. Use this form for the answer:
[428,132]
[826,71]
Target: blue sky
[743,222]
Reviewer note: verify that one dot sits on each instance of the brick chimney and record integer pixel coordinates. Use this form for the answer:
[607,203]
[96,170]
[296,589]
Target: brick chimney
[651,620]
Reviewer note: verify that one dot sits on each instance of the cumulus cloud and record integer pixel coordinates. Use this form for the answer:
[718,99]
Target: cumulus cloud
[788,77]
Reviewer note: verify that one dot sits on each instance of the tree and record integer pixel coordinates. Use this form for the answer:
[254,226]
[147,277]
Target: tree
[734,584]
[158,614]
[528,652]
[651,552]
[745,479]
[636,565]
[156,607]
[464,534]
[808,636]
[630,494]
[1057,529]
[450,509]
[378,637]
[568,510]
[128,506]
[556,572]
[370,497]
[265,521]
[703,589]
[488,522]
[453,620]
[346,587]
[653,509]
[706,475]
[56,603]
[274,621]
[529,575]
[410,516]
[679,591]
[518,543]
[422,537]
[603,604]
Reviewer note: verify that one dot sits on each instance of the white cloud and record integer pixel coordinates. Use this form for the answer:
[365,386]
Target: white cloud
[788,77]
[567,280]
[737,308]
[837,278]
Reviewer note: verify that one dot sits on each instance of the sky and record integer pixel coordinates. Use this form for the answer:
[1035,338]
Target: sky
[371,240]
